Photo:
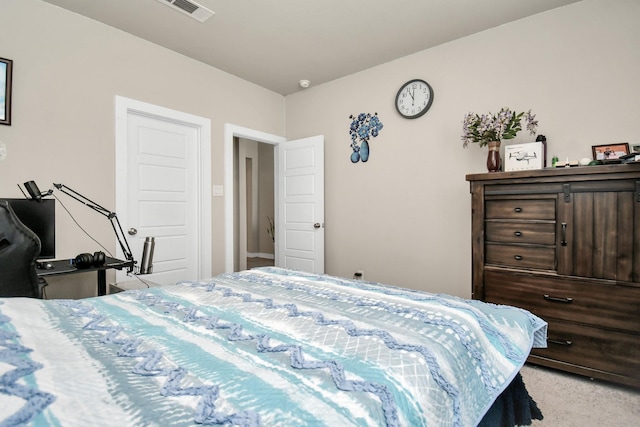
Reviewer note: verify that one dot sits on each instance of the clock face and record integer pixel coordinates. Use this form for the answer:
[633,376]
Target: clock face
[414,99]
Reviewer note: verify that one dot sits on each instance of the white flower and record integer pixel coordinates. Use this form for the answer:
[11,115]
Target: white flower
[503,125]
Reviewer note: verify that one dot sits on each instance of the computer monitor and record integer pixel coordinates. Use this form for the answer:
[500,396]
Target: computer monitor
[40,217]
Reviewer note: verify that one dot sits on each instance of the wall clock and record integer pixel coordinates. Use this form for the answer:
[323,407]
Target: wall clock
[414,99]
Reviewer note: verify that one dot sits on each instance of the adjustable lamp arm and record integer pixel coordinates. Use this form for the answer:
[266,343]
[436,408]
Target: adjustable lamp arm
[113,218]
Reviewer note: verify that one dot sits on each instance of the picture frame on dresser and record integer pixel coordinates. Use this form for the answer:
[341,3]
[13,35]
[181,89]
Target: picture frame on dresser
[610,151]
[6,77]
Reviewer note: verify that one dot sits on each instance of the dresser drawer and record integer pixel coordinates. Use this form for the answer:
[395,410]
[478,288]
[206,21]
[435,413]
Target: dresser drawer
[521,209]
[521,232]
[609,351]
[605,306]
[521,256]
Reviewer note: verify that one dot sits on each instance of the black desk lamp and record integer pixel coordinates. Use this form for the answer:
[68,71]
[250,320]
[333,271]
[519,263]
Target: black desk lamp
[35,193]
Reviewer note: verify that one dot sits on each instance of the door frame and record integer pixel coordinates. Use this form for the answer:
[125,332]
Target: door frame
[125,106]
[230,132]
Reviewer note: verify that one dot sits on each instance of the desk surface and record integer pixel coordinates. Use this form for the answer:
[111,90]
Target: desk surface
[66,267]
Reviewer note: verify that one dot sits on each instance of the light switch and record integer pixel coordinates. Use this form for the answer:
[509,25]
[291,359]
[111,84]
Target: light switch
[218,190]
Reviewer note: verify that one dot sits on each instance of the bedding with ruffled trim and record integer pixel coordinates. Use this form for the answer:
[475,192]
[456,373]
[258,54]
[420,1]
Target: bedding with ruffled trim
[264,347]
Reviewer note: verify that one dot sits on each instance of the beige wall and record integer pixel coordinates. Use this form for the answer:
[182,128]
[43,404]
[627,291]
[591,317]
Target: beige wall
[404,216]
[67,71]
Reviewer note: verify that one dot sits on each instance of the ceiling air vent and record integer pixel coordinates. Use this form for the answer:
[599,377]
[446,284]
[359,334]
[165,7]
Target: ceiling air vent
[190,8]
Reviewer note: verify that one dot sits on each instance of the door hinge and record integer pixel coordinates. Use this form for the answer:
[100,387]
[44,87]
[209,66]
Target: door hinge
[566,189]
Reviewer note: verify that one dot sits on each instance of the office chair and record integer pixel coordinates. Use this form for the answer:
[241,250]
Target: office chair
[19,249]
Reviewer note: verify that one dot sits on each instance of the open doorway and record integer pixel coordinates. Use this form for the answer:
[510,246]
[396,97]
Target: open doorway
[255,210]
[298,199]
[232,239]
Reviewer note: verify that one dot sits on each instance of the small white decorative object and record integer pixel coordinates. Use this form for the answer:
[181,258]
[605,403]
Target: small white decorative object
[528,156]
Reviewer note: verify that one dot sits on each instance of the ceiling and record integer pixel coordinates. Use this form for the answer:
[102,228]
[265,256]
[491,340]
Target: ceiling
[277,43]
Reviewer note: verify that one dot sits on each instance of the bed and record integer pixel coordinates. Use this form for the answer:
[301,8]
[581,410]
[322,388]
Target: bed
[265,347]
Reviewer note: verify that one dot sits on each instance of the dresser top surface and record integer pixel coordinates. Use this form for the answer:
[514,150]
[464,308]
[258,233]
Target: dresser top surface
[620,171]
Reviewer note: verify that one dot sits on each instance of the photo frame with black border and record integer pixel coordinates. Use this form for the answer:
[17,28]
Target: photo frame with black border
[6,75]
[610,152]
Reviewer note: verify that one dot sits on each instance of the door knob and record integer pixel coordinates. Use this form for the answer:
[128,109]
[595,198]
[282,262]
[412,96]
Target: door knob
[316,225]
[132,231]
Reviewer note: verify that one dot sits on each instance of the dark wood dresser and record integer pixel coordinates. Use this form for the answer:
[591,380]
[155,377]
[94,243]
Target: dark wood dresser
[565,245]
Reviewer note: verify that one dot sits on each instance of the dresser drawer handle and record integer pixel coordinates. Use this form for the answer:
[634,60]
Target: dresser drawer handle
[565,343]
[556,299]
[518,233]
[517,210]
[517,257]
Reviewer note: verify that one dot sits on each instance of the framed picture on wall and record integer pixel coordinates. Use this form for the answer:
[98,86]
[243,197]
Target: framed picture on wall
[6,70]
[610,151]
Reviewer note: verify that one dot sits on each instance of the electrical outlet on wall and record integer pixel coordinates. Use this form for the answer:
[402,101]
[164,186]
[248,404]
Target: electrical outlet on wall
[359,275]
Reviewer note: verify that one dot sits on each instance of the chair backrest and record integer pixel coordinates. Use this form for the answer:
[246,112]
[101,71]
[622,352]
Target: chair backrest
[19,249]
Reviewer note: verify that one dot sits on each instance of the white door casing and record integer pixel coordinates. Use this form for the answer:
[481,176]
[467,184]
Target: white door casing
[163,188]
[231,131]
[300,230]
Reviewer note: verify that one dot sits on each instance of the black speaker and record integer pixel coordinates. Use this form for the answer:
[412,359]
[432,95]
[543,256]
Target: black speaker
[88,261]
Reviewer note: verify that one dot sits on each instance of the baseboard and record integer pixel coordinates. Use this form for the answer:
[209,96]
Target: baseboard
[261,255]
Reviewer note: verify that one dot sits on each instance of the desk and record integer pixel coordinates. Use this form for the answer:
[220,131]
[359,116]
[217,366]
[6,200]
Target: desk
[65,267]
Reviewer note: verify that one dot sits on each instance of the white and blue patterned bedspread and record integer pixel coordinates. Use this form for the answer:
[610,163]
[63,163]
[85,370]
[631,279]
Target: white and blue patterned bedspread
[265,347]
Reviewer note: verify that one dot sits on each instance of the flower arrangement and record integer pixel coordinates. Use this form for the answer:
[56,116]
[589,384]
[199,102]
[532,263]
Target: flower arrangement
[503,125]
[363,126]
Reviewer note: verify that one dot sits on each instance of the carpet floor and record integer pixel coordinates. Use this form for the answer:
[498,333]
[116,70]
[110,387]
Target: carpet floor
[568,400]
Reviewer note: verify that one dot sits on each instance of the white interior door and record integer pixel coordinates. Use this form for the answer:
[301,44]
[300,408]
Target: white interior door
[300,205]
[162,196]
